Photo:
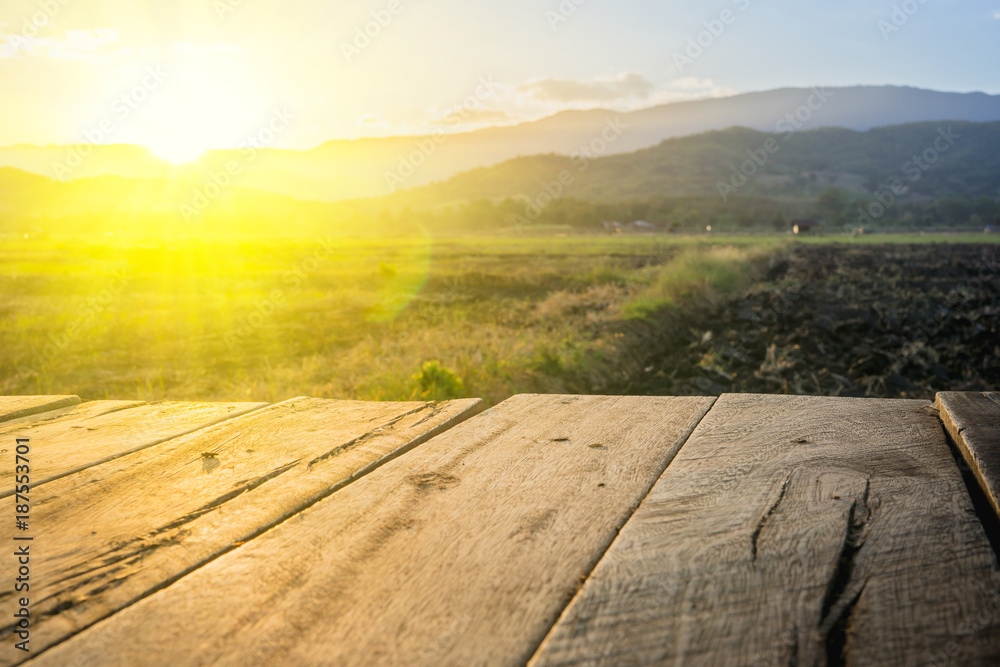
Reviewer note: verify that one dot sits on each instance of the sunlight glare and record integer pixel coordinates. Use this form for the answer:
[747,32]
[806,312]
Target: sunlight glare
[205,105]
[177,150]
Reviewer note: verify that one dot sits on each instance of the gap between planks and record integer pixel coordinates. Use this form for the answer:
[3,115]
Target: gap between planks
[972,419]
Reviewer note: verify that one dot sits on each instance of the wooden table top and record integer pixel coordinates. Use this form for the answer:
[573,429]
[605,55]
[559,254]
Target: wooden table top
[547,530]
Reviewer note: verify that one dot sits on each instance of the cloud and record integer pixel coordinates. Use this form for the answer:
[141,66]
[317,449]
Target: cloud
[205,50]
[691,88]
[626,92]
[540,98]
[463,116]
[619,89]
[93,46]
[373,120]
[130,52]
[84,45]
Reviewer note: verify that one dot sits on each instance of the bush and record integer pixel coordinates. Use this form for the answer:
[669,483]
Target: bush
[697,271]
[438,383]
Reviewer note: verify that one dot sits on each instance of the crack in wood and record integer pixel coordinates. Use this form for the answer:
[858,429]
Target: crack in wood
[224,498]
[764,519]
[435,411]
[381,430]
[133,551]
[793,657]
[840,631]
[119,556]
[843,591]
[427,480]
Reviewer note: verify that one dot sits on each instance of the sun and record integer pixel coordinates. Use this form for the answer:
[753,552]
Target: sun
[177,149]
[202,106]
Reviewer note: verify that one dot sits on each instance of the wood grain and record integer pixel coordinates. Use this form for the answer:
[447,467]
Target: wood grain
[118,531]
[462,552]
[12,407]
[72,439]
[795,531]
[973,421]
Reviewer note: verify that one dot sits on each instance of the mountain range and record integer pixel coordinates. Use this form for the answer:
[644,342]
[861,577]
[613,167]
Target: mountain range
[339,170]
[922,161]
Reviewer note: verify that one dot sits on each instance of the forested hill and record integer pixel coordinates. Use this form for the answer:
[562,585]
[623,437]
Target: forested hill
[940,159]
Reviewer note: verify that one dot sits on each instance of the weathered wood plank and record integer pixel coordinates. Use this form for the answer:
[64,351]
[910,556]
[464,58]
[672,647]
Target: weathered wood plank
[67,441]
[795,531]
[12,407]
[84,409]
[120,530]
[463,552]
[973,421]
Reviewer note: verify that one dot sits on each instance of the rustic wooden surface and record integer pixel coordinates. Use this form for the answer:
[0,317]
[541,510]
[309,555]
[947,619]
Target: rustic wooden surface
[462,552]
[118,531]
[783,530]
[973,421]
[78,437]
[795,531]
[12,407]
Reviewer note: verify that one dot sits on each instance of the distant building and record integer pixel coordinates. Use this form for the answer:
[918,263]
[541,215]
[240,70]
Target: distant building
[616,227]
[989,229]
[805,226]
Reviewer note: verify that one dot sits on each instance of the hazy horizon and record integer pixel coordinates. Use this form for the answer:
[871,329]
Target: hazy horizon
[403,134]
[197,76]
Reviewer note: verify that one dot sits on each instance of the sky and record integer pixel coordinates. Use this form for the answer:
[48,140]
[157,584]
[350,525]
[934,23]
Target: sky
[184,76]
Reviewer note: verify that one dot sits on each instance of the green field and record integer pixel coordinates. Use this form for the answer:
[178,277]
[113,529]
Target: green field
[387,320]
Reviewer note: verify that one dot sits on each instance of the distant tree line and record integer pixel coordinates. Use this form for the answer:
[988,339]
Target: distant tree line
[836,208]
